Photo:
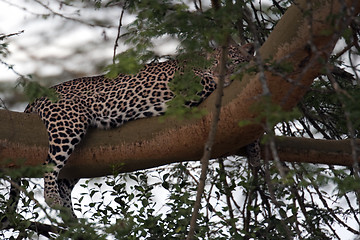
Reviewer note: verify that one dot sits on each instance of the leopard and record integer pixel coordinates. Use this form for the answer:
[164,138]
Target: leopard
[103,102]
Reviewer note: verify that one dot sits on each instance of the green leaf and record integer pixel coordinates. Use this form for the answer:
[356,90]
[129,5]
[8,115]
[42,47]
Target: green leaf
[34,90]
[127,62]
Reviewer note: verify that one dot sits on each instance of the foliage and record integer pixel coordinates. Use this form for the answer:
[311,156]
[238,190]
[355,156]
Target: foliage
[125,206]
[323,105]
[127,62]
[241,201]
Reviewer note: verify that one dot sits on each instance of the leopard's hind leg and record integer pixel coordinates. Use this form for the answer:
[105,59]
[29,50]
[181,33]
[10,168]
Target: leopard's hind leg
[66,125]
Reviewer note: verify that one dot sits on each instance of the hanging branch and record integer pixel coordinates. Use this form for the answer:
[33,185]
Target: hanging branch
[210,142]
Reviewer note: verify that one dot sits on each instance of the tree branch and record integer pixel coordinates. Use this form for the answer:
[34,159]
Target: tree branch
[317,151]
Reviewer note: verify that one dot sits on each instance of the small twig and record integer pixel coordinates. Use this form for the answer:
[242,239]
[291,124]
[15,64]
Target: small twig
[344,50]
[277,5]
[192,176]
[118,31]
[70,18]
[3,36]
[2,104]
[354,68]
[311,119]
[11,3]
[228,194]
[11,67]
[198,7]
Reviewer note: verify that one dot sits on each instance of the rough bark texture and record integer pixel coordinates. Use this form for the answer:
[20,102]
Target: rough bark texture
[306,150]
[150,142]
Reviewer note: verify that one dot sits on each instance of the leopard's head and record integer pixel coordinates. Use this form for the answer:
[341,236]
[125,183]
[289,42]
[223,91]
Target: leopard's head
[237,56]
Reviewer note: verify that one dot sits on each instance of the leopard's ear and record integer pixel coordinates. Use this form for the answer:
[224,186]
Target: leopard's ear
[249,48]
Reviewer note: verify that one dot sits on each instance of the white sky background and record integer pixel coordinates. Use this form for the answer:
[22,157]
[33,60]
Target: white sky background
[54,37]
[46,47]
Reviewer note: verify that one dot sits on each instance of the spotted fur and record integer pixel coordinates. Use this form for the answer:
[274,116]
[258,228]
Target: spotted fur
[107,103]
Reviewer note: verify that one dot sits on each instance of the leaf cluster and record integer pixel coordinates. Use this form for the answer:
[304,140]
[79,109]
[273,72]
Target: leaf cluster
[34,90]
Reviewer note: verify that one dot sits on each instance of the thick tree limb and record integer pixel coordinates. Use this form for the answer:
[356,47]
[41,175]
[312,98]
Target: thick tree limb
[149,142]
[306,150]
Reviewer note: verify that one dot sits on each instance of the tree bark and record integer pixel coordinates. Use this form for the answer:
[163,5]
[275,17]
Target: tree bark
[300,39]
[307,150]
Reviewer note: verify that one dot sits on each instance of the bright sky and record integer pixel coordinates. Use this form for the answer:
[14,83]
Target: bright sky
[51,38]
